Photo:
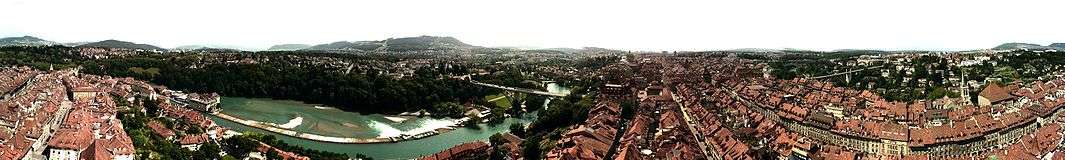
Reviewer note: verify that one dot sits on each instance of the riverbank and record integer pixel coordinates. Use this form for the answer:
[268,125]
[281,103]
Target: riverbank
[286,130]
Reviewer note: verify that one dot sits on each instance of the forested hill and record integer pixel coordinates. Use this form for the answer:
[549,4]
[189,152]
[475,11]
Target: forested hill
[424,43]
[288,47]
[25,41]
[397,44]
[121,44]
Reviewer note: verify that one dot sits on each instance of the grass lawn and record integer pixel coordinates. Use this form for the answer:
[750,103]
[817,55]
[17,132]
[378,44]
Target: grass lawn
[500,100]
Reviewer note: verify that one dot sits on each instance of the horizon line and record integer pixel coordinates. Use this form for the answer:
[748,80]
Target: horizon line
[528,47]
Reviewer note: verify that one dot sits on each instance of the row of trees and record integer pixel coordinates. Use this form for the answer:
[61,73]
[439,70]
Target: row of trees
[37,57]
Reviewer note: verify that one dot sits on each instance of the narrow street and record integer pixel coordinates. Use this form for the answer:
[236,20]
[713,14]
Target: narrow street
[693,126]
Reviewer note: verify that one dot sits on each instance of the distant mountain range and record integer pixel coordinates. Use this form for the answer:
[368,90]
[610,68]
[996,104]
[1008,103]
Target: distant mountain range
[72,44]
[391,44]
[1059,45]
[213,47]
[288,47]
[394,44]
[191,47]
[1055,46]
[345,45]
[424,43]
[208,49]
[25,41]
[121,44]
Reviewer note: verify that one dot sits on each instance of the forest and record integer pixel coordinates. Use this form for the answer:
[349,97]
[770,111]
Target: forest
[369,93]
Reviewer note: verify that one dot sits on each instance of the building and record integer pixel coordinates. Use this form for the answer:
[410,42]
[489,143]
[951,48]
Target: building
[614,89]
[84,92]
[193,142]
[993,94]
[260,153]
[143,89]
[68,144]
[160,129]
[461,151]
[512,144]
[201,102]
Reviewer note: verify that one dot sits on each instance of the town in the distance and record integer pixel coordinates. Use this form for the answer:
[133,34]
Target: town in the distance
[437,98]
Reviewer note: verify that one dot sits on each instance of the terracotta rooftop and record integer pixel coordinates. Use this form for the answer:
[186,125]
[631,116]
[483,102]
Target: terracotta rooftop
[160,129]
[995,93]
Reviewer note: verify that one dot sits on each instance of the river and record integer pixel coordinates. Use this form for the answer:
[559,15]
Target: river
[330,121]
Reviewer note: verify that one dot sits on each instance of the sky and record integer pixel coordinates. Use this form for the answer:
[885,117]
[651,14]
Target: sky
[619,24]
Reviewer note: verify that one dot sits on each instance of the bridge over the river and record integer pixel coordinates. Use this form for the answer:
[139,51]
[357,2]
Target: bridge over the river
[847,73]
[522,90]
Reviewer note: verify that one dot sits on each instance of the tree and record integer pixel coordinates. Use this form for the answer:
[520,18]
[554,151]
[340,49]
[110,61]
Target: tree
[227,157]
[1007,73]
[152,107]
[531,148]
[472,122]
[193,129]
[447,109]
[208,151]
[139,138]
[240,146]
[517,129]
[937,92]
[534,102]
[363,157]
[273,155]
[498,114]
[628,109]
[496,141]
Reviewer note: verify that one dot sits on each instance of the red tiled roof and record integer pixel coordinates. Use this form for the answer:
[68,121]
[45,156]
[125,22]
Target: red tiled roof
[193,139]
[158,128]
[892,131]
[97,151]
[70,139]
[459,150]
[995,93]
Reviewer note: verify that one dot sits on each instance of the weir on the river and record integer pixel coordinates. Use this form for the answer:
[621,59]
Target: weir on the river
[311,136]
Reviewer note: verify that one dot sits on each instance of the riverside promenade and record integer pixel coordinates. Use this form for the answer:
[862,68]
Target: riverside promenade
[273,128]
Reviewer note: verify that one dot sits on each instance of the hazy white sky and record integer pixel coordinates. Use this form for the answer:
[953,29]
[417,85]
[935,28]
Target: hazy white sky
[639,25]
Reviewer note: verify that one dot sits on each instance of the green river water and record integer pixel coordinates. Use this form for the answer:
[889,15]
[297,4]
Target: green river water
[334,122]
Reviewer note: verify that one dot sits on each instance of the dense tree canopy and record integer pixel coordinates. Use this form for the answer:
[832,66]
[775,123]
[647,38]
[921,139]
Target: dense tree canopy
[369,93]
